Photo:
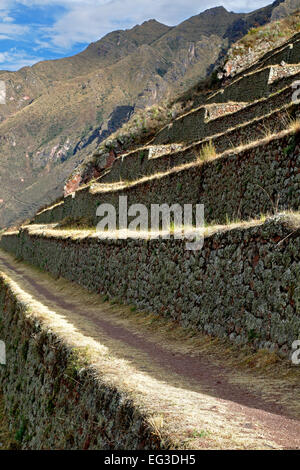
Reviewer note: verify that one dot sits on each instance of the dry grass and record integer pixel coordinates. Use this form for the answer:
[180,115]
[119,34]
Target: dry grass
[271,35]
[79,233]
[48,208]
[294,125]
[290,218]
[206,153]
[267,132]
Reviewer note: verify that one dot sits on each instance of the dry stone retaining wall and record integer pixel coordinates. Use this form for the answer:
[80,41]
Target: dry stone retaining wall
[243,285]
[54,399]
[289,54]
[214,111]
[247,88]
[276,56]
[136,165]
[254,86]
[198,129]
[277,73]
[242,186]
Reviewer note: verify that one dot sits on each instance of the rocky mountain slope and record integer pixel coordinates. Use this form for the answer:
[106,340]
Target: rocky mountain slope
[259,41]
[58,112]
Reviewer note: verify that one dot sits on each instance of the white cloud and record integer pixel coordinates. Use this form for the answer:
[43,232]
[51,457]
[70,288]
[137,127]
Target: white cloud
[80,22]
[89,20]
[8,29]
[7,19]
[11,30]
[15,60]
[85,21]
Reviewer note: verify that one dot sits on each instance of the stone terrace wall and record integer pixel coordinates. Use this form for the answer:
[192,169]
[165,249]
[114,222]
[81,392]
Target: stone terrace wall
[187,128]
[288,52]
[253,86]
[137,164]
[213,111]
[53,399]
[232,186]
[192,128]
[243,284]
[282,72]
[247,88]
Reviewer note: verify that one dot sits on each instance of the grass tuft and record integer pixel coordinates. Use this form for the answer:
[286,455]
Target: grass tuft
[294,125]
[206,153]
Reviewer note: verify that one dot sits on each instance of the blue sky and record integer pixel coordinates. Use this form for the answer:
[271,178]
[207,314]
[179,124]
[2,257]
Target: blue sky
[34,30]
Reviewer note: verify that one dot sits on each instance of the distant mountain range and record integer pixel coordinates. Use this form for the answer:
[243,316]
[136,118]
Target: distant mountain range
[59,111]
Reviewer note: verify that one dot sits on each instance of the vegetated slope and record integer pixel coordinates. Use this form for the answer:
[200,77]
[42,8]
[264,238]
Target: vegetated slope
[146,123]
[259,41]
[58,112]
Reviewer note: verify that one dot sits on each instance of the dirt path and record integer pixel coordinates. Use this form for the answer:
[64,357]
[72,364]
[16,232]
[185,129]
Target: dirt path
[259,412]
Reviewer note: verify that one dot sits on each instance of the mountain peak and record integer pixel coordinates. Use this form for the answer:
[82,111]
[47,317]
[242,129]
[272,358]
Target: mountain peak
[149,24]
[214,11]
[151,21]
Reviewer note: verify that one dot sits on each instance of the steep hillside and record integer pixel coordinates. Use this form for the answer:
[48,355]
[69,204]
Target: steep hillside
[252,51]
[161,331]
[284,9]
[58,112]
[259,41]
